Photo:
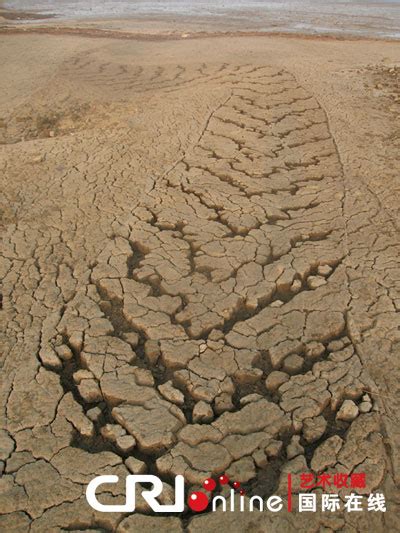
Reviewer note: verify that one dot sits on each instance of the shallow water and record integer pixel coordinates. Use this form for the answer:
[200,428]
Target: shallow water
[380,18]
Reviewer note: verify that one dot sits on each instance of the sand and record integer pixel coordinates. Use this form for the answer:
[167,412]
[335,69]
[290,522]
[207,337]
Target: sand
[199,263]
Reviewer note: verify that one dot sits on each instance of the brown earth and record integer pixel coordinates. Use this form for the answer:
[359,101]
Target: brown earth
[199,263]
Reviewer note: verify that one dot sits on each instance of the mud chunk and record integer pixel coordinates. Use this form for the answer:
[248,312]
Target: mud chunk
[294,448]
[314,350]
[314,428]
[64,352]
[152,351]
[90,390]
[82,374]
[136,466]
[324,270]
[125,443]
[275,379]
[315,281]
[223,403]
[7,445]
[94,414]
[153,425]
[49,358]
[293,364]
[326,454]
[112,432]
[202,412]
[242,470]
[131,338]
[348,412]
[250,398]
[260,458]
[296,286]
[171,394]
[273,449]
[323,325]
[338,344]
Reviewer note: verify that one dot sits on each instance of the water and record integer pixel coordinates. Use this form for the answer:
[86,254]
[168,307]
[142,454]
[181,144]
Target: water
[378,18]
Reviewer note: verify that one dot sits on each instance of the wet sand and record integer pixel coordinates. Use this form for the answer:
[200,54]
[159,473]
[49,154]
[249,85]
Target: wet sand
[199,267]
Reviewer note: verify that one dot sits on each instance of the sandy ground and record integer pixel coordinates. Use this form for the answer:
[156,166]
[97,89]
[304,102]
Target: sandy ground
[199,263]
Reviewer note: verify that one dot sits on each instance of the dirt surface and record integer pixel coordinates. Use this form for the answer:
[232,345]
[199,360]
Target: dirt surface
[199,266]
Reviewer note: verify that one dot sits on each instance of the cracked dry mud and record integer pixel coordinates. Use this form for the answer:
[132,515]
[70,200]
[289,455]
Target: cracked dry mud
[201,279]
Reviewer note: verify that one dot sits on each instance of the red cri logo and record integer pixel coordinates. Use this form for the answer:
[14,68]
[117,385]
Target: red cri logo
[198,501]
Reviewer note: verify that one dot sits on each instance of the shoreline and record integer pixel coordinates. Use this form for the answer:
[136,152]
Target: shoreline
[177,26]
[177,35]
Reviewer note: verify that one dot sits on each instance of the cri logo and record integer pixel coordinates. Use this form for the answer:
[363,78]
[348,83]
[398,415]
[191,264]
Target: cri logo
[197,501]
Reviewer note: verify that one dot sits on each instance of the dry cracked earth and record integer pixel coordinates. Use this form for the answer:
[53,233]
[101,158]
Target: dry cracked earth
[196,282]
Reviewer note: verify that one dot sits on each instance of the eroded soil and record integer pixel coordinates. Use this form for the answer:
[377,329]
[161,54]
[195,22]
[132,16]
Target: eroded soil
[199,277]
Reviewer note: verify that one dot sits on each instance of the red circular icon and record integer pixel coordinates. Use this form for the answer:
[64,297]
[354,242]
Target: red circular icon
[198,501]
[236,484]
[242,492]
[224,479]
[209,484]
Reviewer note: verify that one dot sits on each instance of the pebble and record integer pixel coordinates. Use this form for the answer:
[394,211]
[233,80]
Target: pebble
[348,412]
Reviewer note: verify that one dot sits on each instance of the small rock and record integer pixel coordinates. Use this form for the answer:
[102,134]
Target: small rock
[314,428]
[324,270]
[126,443]
[315,281]
[275,380]
[365,407]
[64,352]
[37,159]
[171,394]
[52,133]
[94,414]
[348,412]
[135,466]
[293,364]
[202,412]
[294,448]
